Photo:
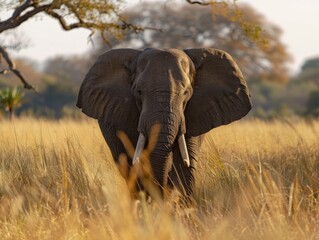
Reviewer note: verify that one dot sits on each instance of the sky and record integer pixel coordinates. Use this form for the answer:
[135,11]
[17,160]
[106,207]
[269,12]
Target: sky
[298,19]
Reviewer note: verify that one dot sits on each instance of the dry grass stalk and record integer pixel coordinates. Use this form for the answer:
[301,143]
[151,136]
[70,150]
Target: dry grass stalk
[255,180]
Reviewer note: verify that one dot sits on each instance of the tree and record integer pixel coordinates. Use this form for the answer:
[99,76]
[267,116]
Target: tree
[244,33]
[313,104]
[11,98]
[309,71]
[50,102]
[312,63]
[28,68]
[67,69]
[98,15]
[58,95]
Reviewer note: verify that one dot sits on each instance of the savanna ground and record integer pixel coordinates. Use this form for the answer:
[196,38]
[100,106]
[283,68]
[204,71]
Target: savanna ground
[255,180]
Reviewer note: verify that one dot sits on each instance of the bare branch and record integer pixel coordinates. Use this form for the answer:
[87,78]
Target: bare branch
[12,68]
[210,2]
[198,2]
[20,9]
[136,28]
[16,19]
[63,23]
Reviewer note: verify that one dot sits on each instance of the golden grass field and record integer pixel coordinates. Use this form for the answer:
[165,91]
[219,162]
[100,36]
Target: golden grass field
[255,180]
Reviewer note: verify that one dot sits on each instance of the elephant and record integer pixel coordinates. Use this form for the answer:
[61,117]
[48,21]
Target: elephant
[187,92]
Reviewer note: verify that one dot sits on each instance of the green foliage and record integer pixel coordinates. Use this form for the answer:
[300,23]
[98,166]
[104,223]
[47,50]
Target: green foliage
[272,99]
[312,63]
[58,95]
[11,98]
[310,71]
[51,101]
[298,97]
[313,104]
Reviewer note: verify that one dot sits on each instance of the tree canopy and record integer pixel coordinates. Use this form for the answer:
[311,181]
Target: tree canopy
[253,41]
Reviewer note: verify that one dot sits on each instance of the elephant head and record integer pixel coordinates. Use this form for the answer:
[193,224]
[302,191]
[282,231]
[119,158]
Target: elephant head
[187,92]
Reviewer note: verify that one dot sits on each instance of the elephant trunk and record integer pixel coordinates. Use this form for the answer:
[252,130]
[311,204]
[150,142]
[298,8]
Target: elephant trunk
[161,157]
[168,114]
[161,152]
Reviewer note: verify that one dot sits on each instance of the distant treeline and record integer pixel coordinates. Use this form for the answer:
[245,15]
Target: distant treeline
[58,86]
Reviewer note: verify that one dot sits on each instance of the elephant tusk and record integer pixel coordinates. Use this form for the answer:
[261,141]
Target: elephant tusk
[183,150]
[139,148]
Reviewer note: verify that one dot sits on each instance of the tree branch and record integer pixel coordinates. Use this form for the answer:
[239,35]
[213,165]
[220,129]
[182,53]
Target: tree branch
[15,20]
[20,9]
[136,28]
[210,2]
[12,68]
[198,2]
[63,23]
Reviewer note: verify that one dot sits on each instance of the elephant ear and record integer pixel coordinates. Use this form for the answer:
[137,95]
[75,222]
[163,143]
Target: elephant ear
[220,93]
[105,91]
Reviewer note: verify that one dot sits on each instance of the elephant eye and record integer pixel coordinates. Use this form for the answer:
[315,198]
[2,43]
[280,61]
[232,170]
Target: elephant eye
[139,92]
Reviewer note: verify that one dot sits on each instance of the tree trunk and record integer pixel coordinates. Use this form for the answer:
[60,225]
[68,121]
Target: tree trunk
[10,113]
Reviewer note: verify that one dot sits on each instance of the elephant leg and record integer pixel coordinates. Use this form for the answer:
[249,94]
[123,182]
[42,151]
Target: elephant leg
[118,149]
[181,176]
[115,145]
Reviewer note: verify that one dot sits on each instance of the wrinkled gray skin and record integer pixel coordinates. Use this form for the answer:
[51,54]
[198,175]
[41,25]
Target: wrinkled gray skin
[188,92]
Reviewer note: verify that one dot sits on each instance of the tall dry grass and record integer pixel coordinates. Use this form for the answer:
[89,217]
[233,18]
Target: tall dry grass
[255,180]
